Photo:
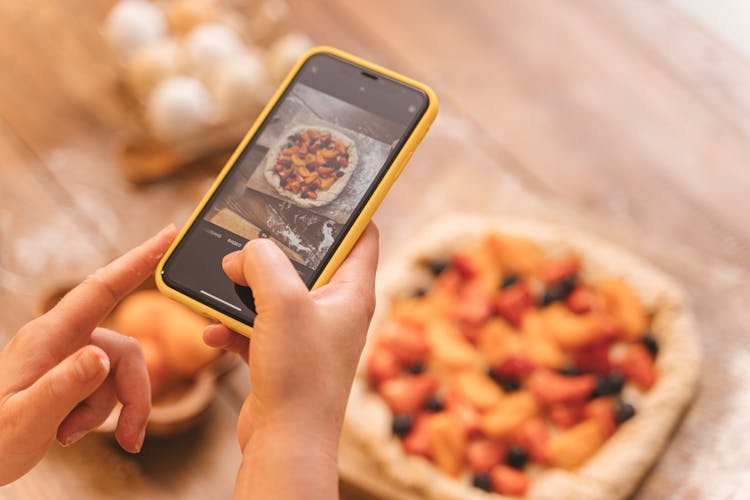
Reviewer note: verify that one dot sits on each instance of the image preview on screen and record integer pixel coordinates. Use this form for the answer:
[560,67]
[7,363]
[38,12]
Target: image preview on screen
[319,113]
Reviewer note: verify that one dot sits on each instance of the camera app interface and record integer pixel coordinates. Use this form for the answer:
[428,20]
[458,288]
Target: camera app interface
[301,181]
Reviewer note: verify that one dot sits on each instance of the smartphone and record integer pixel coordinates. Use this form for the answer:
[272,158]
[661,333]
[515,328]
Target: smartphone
[309,175]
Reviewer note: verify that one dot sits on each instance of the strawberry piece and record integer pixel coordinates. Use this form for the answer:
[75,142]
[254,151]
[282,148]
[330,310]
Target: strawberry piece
[603,411]
[511,412]
[515,367]
[532,435]
[382,365]
[483,454]
[554,271]
[417,442]
[509,481]
[465,265]
[551,388]
[447,443]
[407,394]
[572,447]
[512,302]
[474,304]
[594,357]
[465,413]
[407,341]
[565,415]
[638,366]
[581,300]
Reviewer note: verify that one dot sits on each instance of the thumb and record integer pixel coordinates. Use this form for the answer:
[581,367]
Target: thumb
[45,403]
[264,267]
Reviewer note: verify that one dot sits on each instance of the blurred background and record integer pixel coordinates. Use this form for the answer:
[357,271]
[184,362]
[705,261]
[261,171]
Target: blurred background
[628,118]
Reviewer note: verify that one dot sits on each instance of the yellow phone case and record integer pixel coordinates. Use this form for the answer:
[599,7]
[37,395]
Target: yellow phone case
[365,215]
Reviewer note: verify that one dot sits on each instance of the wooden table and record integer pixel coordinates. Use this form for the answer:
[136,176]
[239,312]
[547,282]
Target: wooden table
[621,117]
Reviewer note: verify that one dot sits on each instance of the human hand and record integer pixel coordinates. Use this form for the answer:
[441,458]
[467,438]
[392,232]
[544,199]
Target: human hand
[303,354]
[61,375]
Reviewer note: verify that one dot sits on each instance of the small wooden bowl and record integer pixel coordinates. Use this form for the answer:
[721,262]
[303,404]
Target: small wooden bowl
[182,405]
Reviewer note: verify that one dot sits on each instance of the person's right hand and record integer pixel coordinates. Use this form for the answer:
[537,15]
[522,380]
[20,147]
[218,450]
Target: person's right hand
[303,355]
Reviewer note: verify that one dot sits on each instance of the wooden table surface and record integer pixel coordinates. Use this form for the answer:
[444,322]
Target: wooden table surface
[621,117]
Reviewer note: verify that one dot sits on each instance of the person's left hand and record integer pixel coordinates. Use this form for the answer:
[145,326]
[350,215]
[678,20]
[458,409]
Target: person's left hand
[61,375]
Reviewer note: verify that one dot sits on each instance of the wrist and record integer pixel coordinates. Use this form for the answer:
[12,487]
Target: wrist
[303,435]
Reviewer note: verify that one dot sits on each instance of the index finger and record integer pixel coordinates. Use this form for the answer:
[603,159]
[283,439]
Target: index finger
[83,308]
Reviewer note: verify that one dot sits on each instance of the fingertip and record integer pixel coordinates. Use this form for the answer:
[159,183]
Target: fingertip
[215,335]
[91,364]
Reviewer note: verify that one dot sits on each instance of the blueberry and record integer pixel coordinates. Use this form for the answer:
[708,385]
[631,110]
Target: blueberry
[608,385]
[419,292]
[615,381]
[339,173]
[437,266]
[263,234]
[482,481]
[304,194]
[509,384]
[559,291]
[516,457]
[650,342]
[415,368]
[434,404]
[570,370]
[623,411]
[401,425]
[509,279]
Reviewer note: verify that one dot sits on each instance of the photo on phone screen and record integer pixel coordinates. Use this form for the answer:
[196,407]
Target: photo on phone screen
[302,179]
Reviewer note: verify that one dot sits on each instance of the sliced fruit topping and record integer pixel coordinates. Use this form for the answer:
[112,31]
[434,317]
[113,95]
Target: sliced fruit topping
[515,367]
[447,443]
[533,435]
[574,331]
[518,254]
[407,394]
[498,341]
[541,347]
[509,481]
[565,415]
[382,365]
[602,410]
[417,442]
[555,271]
[638,366]
[551,388]
[581,300]
[593,357]
[626,306]
[465,413]
[474,304]
[478,389]
[483,454]
[572,447]
[407,341]
[513,302]
[450,348]
[511,412]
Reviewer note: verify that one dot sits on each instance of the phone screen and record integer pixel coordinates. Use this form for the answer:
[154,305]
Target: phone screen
[302,180]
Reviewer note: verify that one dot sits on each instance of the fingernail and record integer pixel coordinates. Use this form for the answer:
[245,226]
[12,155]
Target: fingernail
[139,441]
[230,257]
[90,363]
[72,438]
